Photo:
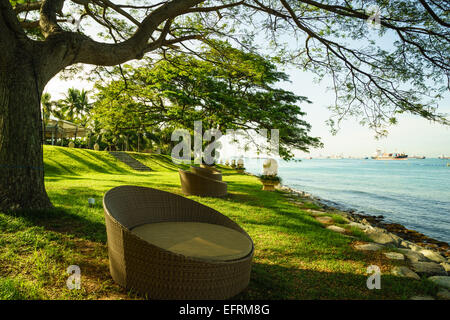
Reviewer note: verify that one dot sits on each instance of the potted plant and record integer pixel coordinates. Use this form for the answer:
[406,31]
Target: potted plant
[269,181]
[270,177]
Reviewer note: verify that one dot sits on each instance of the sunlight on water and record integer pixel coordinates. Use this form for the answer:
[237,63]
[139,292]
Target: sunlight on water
[415,193]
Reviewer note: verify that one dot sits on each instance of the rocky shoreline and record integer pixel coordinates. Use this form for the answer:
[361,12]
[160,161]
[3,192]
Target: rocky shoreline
[396,229]
[377,222]
[424,257]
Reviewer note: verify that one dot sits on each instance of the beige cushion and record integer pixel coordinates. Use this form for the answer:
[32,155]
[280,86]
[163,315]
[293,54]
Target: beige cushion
[197,240]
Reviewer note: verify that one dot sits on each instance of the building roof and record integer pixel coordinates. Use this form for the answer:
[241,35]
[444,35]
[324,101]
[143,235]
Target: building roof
[66,128]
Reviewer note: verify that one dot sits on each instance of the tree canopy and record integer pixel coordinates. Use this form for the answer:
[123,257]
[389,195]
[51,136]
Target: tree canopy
[227,89]
[332,39]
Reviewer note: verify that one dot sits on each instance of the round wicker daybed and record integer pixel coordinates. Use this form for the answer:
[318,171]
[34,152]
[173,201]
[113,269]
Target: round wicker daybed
[166,246]
[200,185]
[209,173]
[209,166]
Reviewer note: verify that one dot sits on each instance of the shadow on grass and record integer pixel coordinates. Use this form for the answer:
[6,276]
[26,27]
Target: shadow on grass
[55,178]
[56,168]
[155,160]
[63,221]
[73,214]
[107,166]
[251,194]
[110,163]
[276,282]
[268,281]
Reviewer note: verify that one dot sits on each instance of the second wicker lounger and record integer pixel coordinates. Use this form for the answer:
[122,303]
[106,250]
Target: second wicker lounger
[200,185]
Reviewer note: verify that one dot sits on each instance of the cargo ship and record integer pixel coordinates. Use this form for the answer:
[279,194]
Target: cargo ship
[389,156]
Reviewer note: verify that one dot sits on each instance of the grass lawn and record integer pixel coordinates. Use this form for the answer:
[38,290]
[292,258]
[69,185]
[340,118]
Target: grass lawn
[295,256]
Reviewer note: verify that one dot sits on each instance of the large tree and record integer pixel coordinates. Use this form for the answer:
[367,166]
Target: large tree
[36,43]
[228,89]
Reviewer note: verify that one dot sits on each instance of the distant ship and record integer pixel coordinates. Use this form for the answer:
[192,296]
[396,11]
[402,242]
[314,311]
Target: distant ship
[389,156]
[417,157]
[443,157]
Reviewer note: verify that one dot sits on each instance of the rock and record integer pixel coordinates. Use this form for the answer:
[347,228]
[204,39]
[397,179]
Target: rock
[433,256]
[344,215]
[442,281]
[396,238]
[422,298]
[380,230]
[415,247]
[403,244]
[443,294]
[360,226]
[413,256]
[405,272]
[428,268]
[369,247]
[336,229]
[315,213]
[324,219]
[446,266]
[381,237]
[394,256]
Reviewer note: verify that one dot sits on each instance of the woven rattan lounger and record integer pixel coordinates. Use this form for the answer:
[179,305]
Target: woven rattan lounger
[209,173]
[200,185]
[212,259]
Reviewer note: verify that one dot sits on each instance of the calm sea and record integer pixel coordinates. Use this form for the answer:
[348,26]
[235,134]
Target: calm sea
[415,193]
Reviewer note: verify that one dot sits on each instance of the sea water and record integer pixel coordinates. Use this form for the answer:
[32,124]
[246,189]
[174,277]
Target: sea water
[413,192]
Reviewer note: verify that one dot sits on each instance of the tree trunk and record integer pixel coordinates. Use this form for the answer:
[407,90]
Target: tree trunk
[21,154]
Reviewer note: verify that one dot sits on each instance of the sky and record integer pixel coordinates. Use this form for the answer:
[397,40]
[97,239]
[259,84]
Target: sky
[412,135]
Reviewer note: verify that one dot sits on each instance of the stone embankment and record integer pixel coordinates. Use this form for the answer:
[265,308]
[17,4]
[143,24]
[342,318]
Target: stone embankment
[423,256]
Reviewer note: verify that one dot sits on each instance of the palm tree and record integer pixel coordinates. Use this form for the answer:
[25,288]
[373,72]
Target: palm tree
[75,107]
[47,110]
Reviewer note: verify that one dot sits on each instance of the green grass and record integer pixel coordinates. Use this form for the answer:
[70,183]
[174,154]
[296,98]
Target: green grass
[295,256]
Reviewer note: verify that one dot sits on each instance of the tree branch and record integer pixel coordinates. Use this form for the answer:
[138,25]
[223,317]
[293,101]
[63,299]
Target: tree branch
[29,6]
[48,21]
[433,14]
[11,31]
[216,8]
[105,54]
